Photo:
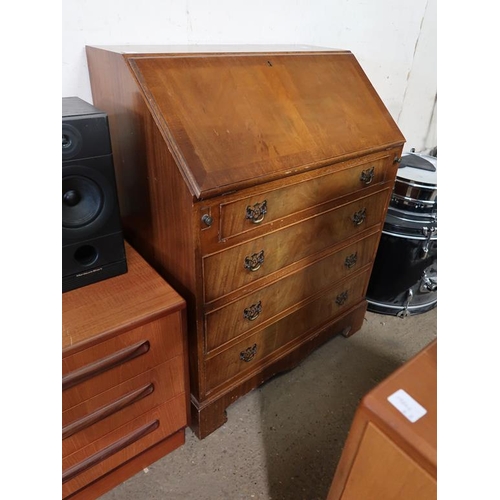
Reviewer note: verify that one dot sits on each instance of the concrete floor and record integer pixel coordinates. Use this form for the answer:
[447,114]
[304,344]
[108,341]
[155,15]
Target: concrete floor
[283,440]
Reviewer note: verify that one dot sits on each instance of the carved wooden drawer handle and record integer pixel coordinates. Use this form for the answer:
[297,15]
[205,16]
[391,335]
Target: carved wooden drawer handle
[257,213]
[105,411]
[359,217]
[350,260]
[100,366]
[367,176]
[253,262]
[252,313]
[341,298]
[249,353]
[110,450]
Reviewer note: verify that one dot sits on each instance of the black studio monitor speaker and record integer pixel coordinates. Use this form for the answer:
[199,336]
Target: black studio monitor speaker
[93,247]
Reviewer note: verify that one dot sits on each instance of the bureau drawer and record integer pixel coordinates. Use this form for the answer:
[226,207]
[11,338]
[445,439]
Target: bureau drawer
[105,365]
[261,306]
[246,214]
[242,264]
[121,444]
[244,356]
[95,417]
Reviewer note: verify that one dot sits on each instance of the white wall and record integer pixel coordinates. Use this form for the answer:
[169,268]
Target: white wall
[394,41]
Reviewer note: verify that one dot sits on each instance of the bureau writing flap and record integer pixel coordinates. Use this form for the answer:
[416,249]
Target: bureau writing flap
[233,120]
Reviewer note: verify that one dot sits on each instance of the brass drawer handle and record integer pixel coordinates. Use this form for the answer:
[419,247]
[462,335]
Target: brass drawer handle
[105,411]
[257,213]
[109,451]
[350,260]
[341,298]
[100,366]
[252,313]
[367,176]
[253,262]
[248,354]
[359,217]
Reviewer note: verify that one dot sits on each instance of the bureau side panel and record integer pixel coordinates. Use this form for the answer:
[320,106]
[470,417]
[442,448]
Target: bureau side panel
[155,203]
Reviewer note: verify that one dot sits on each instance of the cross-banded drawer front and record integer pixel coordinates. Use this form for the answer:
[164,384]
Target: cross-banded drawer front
[246,214]
[95,417]
[105,365]
[121,444]
[261,306]
[235,267]
[245,354]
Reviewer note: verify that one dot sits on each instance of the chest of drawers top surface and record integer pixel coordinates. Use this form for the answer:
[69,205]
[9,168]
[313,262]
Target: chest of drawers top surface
[235,120]
[115,305]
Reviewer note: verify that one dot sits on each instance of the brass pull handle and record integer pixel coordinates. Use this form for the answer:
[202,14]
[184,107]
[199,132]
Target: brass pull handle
[253,262]
[350,260]
[106,411]
[341,298]
[257,213]
[104,364]
[248,354]
[110,450]
[359,217]
[367,176]
[252,313]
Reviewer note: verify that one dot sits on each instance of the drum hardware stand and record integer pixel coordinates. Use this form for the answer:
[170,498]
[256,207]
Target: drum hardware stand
[428,233]
[404,312]
[428,284]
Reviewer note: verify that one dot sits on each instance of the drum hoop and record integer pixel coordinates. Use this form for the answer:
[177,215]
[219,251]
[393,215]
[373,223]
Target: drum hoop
[432,221]
[416,184]
[410,307]
[409,237]
[407,198]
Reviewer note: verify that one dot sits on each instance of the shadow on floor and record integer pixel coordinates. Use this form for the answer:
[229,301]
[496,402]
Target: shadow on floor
[306,415]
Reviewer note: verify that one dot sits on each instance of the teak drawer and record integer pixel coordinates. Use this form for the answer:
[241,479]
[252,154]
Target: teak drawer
[103,366]
[246,214]
[249,352]
[95,417]
[257,308]
[235,267]
[121,444]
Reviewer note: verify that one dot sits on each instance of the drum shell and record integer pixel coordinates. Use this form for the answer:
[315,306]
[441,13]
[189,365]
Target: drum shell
[401,265]
[415,189]
[414,197]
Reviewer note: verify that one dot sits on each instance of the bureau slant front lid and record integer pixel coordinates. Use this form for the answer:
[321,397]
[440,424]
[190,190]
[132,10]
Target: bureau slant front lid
[235,120]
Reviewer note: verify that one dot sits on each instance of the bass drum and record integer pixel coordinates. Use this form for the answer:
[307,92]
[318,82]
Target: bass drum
[404,275]
[415,188]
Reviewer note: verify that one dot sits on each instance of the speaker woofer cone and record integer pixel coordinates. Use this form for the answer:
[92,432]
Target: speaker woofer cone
[82,201]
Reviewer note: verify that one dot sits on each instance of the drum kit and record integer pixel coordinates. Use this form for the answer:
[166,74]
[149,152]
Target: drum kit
[404,275]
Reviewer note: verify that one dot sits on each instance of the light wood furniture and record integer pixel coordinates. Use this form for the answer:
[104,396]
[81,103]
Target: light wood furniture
[125,390]
[256,181]
[387,456]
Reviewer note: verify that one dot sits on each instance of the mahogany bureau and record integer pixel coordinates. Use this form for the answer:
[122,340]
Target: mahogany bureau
[125,390]
[256,181]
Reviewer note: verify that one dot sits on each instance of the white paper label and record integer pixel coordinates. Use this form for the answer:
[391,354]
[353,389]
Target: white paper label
[407,405]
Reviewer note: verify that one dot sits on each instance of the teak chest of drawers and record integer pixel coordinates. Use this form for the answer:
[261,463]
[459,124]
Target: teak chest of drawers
[388,455]
[125,396]
[256,181]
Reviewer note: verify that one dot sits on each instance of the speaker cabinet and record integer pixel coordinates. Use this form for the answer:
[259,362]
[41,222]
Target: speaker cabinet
[93,247]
